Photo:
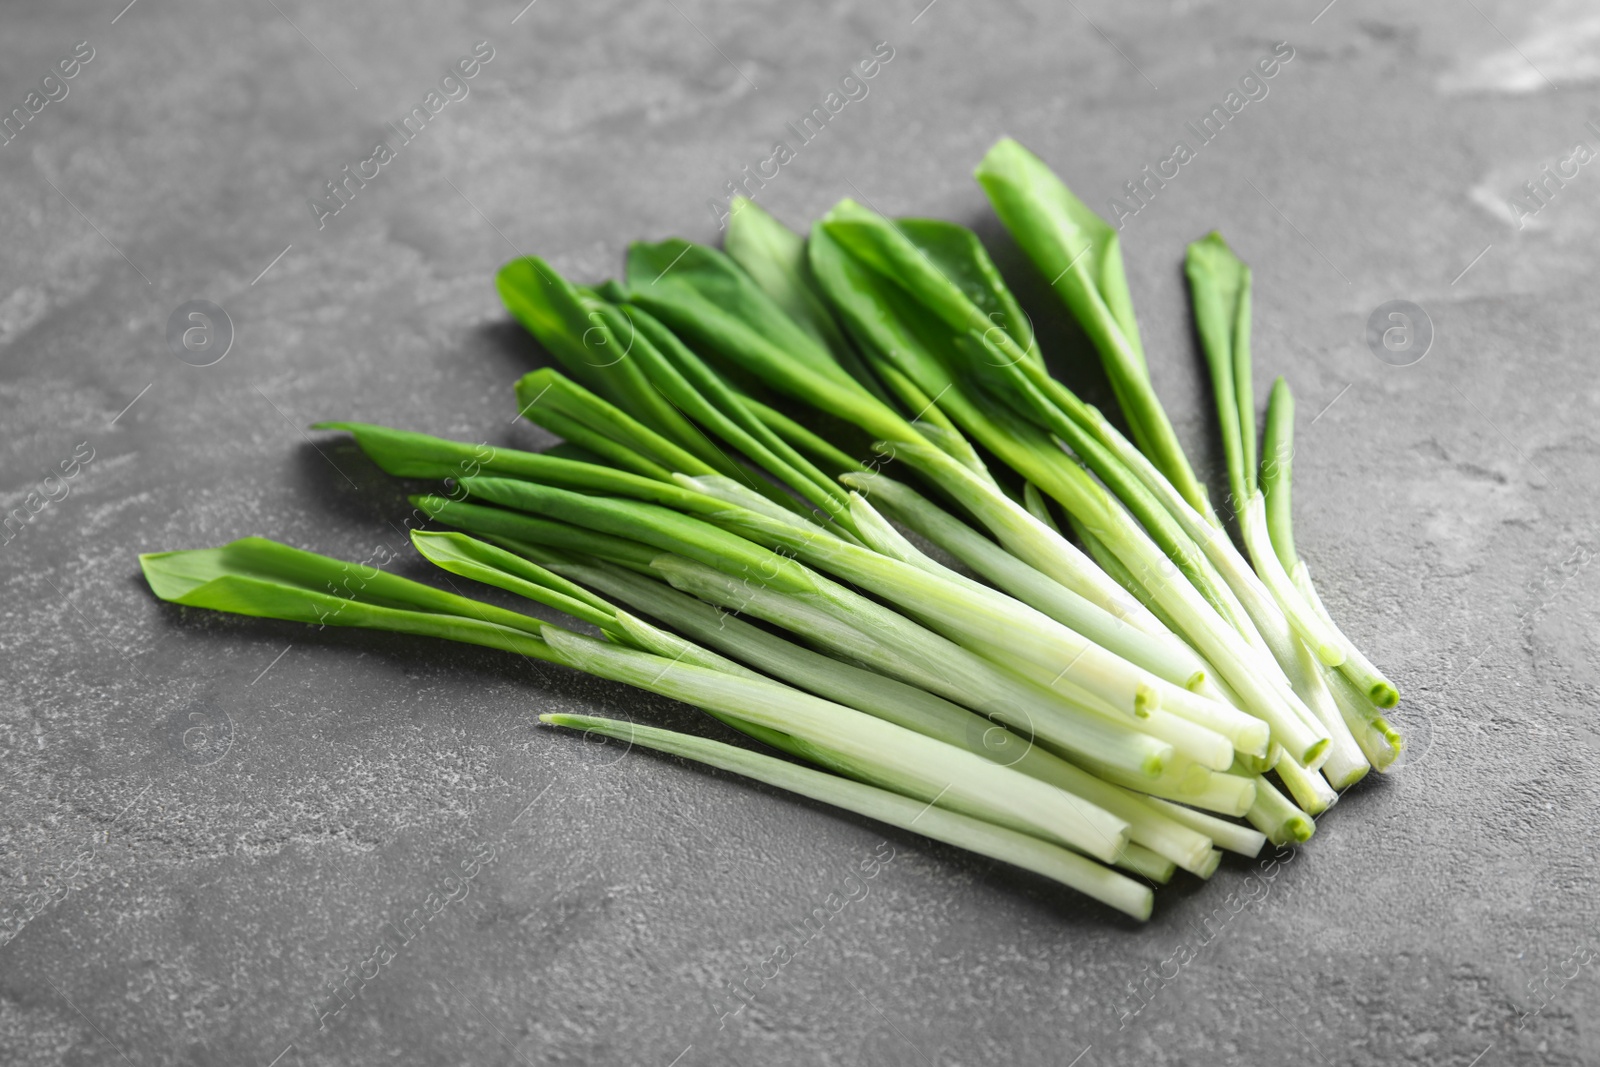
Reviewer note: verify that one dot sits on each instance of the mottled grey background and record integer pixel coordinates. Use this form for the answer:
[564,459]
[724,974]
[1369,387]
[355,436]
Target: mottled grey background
[205,820]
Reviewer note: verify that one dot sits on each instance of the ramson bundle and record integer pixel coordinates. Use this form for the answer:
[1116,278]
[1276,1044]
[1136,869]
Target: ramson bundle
[826,488]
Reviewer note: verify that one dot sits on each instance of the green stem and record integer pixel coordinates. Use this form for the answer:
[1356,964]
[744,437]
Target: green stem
[1061,412]
[732,418]
[1187,783]
[775,258]
[566,321]
[825,452]
[563,407]
[1346,764]
[1244,382]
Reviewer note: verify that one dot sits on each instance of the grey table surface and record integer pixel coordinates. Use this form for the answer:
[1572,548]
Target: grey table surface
[207,822]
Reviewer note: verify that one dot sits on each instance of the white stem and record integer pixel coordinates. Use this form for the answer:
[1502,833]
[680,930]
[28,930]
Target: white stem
[900,759]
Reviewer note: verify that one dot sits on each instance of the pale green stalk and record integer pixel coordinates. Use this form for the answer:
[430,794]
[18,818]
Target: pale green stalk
[482,562]
[966,613]
[1277,817]
[1186,782]
[1221,645]
[1141,861]
[877,694]
[896,702]
[1228,835]
[1346,764]
[1220,722]
[1029,539]
[1034,501]
[1003,628]
[1308,625]
[1270,623]
[1377,738]
[894,645]
[1277,463]
[1206,729]
[896,758]
[1030,853]
[1275,484]
[1040,398]
[1308,788]
[1164,656]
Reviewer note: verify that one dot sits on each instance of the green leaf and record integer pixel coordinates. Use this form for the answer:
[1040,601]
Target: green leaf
[599,425]
[774,257]
[255,576]
[1064,238]
[961,257]
[177,576]
[571,324]
[707,297]
[1277,461]
[1219,283]
[1080,254]
[707,398]
[885,249]
[710,302]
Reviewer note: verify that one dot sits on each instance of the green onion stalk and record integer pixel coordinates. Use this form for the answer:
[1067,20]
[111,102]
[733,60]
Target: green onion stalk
[741,576]
[927,649]
[747,577]
[262,578]
[1045,218]
[909,333]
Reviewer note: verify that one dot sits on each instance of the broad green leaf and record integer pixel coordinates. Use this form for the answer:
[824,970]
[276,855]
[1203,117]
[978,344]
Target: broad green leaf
[1220,287]
[1080,254]
[262,578]
[710,302]
[1066,240]
[961,257]
[775,258]
[569,322]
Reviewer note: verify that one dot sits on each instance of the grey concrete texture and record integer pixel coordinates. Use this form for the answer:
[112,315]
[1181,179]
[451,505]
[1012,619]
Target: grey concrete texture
[208,822]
